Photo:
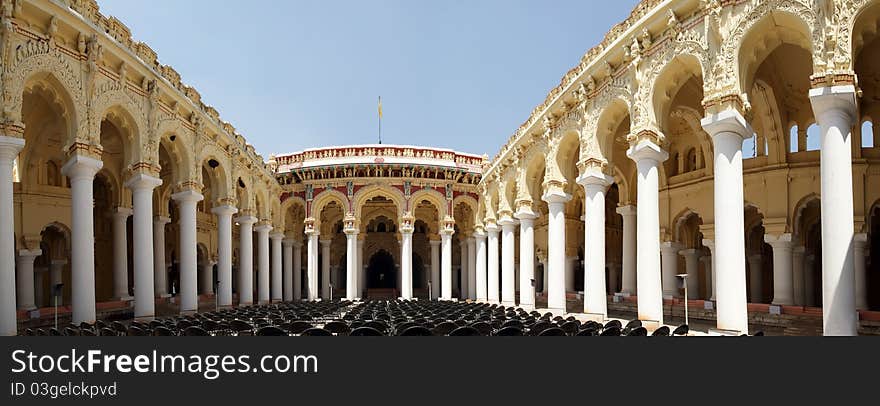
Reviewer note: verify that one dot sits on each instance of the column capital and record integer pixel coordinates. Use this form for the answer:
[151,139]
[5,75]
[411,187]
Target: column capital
[352,232]
[287,242]
[10,147]
[556,196]
[121,213]
[710,244]
[188,196]
[728,121]
[593,177]
[30,253]
[161,220]
[142,181]
[277,236]
[245,220]
[80,166]
[778,240]
[525,213]
[670,246]
[507,223]
[325,243]
[629,210]
[690,252]
[225,210]
[647,149]
[834,99]
[434,243]
[263,228]
[860,239]
[492,228]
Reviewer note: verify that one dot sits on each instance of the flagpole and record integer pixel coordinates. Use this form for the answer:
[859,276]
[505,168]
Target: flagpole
[380,120]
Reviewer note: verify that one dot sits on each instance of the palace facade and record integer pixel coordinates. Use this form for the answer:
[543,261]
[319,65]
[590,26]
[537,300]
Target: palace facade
[731,141]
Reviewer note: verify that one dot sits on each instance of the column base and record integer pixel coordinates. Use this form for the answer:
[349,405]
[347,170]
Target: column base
[188,312]
[597,317]
[508,303]
[145,319]
[651,325]
[727,333]
[403,298]
[556,311]
[527,307]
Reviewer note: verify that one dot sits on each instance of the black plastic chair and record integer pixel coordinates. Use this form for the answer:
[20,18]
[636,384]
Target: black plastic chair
[365,331]
[271,331]
[195,331]
[484,328]
[633,324]
[638,332]
[444,328]
[464,331]
[552,332]
[416,331]
[316,332]
[663,331]
[162,331]
[136,331]
[570,327]
[613,323]
[613,331]
[107,332]
[337,327]
[592,331]
[298,327]
[681,330]
[509,332]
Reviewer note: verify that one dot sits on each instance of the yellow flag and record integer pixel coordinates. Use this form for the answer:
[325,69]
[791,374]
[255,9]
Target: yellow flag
[380,106]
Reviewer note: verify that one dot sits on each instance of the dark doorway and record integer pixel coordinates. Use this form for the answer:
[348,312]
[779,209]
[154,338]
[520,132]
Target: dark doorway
[381,273]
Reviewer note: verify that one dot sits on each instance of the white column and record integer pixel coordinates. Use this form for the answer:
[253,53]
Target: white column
[435,268]
[797,275]
[613,273]
[142,186]
[669,251]
[81,170]
[526,259]
[595,183]
[692,268]
[556,250]
[480,282]
[782,266]
[362,272]
[287,270]
[648,157]
[186,202]
[446,265]
[56,267]
[246,259]
[492,264]
[160,270]
[224,254]
[710,270]
[297,270]
[119,218]
[312,265]
[728,129]
[325,269]
[544,273]
[570,264]
[859,242]
[628,281]
[463,253]
[406,276]
[351,264]
[810,280]
[208,277]
[472,268]
[263,277]
[277,288]
[9,149]
[25,278]
[755,278]
[835,111]
[508,253]
[39,280]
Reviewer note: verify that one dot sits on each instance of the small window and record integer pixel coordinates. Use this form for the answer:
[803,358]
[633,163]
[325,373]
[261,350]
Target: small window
[691,164]
[813,138]
[749,149]
[868,134]
[793,139]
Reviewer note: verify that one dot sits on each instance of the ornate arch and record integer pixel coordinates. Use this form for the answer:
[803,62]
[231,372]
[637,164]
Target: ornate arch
[371,191]
[322,199]
[673,66]
[178,150]
[434,197]
[224,181]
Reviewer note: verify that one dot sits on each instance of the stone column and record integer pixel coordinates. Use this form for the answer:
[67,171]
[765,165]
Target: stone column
[728,129]
[435,268]
[472,268]
[613,273]
[463,251]
[208,277]
[287,270]
[9,149]
[81,170]
[276,291]
[224,253]
[648,157]
[508,254]
[297,270]
[482,291]
[835,109]
[595,184]
[859,242]
[782,266]
[797,275]
[263,276]
[25,278]
[246,259]
[39,280]
[142,186]
[56,268]
[570,264]
[186,202]
[362,272]
[119,217]
[755,278]
[526,257]
[160,270]
[710,270]
[492,264]
[312,264]
[544,275]
[351,259]
[406,275]
[556,250]
[669,251]
[810,280]
[325,269]
[446,264]
[692,266]
[628,282]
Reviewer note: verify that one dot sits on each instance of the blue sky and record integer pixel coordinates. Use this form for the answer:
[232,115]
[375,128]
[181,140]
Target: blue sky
[299,74]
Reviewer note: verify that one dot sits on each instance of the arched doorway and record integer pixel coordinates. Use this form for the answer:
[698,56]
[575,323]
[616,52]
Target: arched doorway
[382,271]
